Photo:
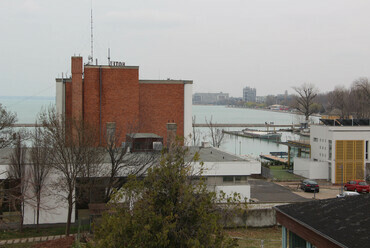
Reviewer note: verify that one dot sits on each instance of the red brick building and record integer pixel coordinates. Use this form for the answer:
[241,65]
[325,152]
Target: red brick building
[106,95]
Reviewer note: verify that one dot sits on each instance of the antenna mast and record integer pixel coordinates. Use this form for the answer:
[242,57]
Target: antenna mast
[91,57]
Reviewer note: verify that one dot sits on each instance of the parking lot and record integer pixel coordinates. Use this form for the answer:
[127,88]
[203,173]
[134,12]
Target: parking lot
[326,190]
[266,192]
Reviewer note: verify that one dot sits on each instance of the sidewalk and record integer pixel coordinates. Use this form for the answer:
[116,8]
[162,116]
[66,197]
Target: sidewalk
[31,239]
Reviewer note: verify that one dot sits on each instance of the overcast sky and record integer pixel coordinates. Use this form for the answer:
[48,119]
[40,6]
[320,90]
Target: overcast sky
[225,45]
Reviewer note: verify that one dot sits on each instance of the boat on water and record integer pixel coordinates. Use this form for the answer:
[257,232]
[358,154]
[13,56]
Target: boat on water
[261,134]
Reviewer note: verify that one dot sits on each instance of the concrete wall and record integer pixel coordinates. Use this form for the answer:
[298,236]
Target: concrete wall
[311,169]
[60,97]
[257,215]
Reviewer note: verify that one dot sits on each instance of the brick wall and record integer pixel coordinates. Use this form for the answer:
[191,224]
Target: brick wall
[133,106]
[77,88]
[119,98]
[160,103]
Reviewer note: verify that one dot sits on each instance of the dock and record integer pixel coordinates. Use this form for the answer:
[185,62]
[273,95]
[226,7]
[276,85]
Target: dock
[245,125]
[274,158]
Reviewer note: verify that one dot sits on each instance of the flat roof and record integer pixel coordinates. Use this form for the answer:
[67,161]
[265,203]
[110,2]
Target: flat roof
[144,135]
[113,67]
[211,154]
[166,81]
[345,220]
[346,122]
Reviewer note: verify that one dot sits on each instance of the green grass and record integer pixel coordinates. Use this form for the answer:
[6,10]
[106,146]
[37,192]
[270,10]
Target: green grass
[251,237]
[31,232]
[281,174]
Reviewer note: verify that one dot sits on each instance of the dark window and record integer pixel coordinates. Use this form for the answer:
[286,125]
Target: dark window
[228,179]
[367,150]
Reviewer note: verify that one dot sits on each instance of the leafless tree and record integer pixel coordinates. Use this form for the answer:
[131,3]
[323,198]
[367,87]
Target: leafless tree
[17,172]
[364,85]
[39,167]
[217,134]
[73,154]
[195,136]
[124,161]
[305,99]
[341,99]
[7,119]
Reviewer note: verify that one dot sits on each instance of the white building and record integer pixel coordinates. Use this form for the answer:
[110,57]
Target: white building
[335,145]
[222,171]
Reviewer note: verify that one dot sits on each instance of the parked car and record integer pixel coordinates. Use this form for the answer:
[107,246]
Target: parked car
[358,186]
[310,185]
[347,193]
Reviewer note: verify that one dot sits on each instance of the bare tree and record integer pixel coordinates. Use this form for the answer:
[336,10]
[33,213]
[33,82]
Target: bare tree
[364,85]
[73,153]
[18,173]
[305,99]
[217,135]
[7,120]
[195,136]
[122,160]
[341,99]
[39,167]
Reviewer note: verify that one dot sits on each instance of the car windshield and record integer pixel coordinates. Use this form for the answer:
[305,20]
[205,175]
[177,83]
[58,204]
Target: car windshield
[362,183]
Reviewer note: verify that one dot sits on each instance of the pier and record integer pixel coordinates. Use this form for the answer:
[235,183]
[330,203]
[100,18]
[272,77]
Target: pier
[245,125]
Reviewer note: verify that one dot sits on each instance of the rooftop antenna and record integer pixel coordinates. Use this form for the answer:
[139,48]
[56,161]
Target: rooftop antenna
[91,57]
[108,56]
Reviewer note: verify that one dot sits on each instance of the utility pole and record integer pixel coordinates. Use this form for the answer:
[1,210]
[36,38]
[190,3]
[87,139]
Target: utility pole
[342,177]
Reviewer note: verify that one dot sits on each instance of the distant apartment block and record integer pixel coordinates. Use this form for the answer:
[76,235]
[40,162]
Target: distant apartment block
[210,98]
[260,99]
[249,94]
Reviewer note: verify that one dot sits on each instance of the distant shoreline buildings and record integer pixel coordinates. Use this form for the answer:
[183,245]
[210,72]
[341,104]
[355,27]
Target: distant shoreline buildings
[210,98]
[249,94]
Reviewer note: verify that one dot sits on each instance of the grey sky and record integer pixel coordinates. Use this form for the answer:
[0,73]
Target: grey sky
[221,45]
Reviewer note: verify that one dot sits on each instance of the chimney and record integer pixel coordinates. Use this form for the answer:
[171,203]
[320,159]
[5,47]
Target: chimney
[77,88]
[171,133]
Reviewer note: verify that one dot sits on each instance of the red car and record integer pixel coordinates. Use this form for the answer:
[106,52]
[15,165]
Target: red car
[359,186]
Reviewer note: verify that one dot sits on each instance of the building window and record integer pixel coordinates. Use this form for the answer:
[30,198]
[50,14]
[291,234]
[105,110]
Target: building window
[315,139]
[228,179]
[111,131]
[330,149]
[239,179]
[367,150]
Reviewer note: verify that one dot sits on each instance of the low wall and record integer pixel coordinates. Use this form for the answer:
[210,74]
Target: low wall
[311,169]
[255,217]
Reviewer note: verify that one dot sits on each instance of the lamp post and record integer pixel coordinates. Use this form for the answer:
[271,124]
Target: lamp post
[342,178]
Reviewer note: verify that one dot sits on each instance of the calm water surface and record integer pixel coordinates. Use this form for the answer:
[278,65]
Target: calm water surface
[241,145]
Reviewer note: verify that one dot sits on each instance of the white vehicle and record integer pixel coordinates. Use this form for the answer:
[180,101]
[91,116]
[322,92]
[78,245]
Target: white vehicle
[347,193]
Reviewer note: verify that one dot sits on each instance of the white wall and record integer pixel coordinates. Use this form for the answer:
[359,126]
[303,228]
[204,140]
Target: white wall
[60,97]
[188,91]
[231,168]
[311,169]
[320,147]
[54,207]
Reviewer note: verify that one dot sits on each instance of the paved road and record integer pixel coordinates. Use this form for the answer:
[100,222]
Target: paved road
[265,191]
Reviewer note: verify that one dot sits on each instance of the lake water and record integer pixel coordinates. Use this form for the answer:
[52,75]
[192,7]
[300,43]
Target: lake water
[241,145]
[27,109]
